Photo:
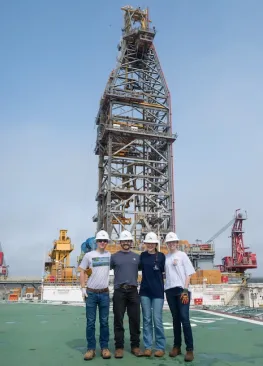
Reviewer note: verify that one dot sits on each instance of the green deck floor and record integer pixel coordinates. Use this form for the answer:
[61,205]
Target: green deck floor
[36,334]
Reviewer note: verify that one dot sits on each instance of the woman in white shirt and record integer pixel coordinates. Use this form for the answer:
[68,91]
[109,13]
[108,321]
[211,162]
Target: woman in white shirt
[178,270]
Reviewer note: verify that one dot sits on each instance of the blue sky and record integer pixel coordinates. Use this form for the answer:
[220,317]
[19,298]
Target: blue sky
[55,61]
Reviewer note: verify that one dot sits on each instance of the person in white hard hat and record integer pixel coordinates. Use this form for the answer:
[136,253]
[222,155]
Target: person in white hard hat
[178,270]
[126,264]
[152,296]
[96,294]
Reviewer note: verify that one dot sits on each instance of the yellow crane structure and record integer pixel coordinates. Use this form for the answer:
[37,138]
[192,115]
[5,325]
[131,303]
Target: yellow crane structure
[58,267]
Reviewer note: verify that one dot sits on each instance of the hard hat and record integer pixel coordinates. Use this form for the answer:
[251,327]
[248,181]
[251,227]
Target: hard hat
[171,237]
[151,238]
[125,235]
[102,235]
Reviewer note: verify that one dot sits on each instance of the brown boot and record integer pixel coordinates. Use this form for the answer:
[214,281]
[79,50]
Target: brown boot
[89,355]
[118,353]
[189,356]
[175,352]
[137,352]
[105,353]
[147,353]
[159,353]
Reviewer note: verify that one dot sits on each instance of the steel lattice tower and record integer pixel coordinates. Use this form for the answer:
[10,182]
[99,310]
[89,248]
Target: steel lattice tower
[134,138]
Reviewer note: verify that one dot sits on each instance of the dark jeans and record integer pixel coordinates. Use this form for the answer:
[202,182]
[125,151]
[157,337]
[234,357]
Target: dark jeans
[180,314]
[126,299]
[103,302]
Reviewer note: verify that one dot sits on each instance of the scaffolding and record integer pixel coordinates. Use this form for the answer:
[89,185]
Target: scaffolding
[135,138]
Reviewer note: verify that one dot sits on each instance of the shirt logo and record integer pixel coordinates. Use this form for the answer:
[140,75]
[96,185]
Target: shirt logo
[100,261]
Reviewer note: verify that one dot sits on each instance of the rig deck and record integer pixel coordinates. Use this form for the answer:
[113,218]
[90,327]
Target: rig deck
[55,335]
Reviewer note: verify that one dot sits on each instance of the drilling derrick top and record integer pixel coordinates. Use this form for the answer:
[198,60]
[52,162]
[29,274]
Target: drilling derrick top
[134,138]
[136,21]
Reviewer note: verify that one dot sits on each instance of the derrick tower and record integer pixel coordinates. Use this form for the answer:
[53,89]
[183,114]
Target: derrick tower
[134,138]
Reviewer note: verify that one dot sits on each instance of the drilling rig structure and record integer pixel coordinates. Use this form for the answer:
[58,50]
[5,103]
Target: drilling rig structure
[135,139]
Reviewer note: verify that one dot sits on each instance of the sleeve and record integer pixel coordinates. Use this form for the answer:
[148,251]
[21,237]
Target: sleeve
[85,263]
[112,263]
[188,267]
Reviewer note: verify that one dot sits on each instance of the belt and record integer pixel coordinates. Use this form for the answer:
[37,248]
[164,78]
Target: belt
[126,287]
[98,291]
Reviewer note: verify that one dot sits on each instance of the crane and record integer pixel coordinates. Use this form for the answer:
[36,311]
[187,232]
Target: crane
[224,228]
[241,259]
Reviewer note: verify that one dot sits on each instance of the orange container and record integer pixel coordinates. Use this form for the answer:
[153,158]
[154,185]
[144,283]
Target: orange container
[213,280]
[196,281]
[30,290]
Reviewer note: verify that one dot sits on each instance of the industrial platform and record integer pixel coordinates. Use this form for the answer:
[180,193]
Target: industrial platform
[38,334]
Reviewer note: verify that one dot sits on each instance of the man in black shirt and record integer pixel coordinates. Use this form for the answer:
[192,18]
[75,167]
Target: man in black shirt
[126,265]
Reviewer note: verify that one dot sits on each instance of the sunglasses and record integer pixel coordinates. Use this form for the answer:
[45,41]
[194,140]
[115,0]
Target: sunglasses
[102,241]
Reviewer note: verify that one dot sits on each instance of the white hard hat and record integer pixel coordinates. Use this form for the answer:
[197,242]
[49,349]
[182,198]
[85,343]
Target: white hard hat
[151,238]
[171,237]
[102,235]
[125,235]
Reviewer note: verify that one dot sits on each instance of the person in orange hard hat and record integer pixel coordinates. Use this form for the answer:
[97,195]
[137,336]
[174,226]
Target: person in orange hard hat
[178,270]
[96,294]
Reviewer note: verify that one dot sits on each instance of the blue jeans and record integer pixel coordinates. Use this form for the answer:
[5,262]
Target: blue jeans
[153,309]
[180,314]
[101,300]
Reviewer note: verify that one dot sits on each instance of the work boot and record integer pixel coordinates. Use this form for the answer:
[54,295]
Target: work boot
[159,353]
[118,353]
[147,353]
[189,356]
[105,353]
[175,352]
[137,352]
[89,355]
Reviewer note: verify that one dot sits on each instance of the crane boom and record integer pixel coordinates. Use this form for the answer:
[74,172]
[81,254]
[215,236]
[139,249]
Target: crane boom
[224,228]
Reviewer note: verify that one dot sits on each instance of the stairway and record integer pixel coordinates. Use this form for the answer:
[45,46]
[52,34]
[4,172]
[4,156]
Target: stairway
[234,297]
